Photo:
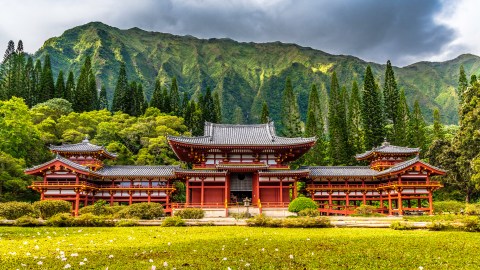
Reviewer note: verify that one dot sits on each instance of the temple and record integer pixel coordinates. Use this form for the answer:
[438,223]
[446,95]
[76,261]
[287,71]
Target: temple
[231,163]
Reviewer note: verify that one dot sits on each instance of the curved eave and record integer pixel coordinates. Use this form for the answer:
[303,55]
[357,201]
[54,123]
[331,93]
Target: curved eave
[103,153]
[309,142]
[200,173]
[418,163]
[303,173]
[137,176]
[56,164]
[318,177]
[374,153]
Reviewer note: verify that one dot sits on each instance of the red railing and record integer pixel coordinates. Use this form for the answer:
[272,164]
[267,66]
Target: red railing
[368,187]
[99,187]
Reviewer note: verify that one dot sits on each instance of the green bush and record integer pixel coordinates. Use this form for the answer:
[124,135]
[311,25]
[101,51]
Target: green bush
[98,211]
[366,210]
[401,226]
[190,213]
[48,209]
[27,221]
[472,209]
[242,215]
[90,220]
[301,222]
[302,203]
[174,221]
[440,226]
[309,212]
[142,211]
[471,224]
[117,208]
[259,221]
[14,210]
[127,223]
[445,207]
[60,220]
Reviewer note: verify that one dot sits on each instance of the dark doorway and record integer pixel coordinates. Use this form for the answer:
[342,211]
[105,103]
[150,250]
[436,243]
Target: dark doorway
[240,186]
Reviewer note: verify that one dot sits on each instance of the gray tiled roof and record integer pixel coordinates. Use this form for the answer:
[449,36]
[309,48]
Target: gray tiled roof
[286,172]
[83,147]
[363,171]
[387,148]
[400,166]
[63,160]
[226,134]
[150,171]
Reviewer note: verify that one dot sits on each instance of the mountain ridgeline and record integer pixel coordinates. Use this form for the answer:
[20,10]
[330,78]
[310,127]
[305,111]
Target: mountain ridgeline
[244,75]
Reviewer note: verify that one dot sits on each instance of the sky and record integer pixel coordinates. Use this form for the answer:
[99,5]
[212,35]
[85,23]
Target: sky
[403,31]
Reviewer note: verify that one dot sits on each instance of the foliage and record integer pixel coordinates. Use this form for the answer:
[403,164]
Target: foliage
[98,210]
[27,221]
[291,123]
[366,210]
[127,223]
[142,211]
[60,220]
[472,209]
[13,181]
[356,136]
[453,207]
[174,221]
[90,220]
[391,100]
[301,203]
[315,127]
[471,224]
[242,215]
[416,128]
[300,222]
[372,113]
[309,212]
[440,226]
[401,226]
[14,210]
[190,213]
[47,209]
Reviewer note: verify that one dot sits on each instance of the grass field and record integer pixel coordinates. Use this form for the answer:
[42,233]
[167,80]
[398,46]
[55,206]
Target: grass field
[235,248]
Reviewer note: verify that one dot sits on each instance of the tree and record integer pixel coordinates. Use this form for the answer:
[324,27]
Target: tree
[60,86]
[473,79]
[70,88]
[120,96]
[102,99]
[7,72]
[438,130]
[372,114]
[265,117]
[30,82]
[401,127]
[315,128]
[174,98]
[208,107]
[157,97]
[138,106]
[86,98]
[292,125]
[47,86]
[197,125]
[355,126]
[462,83]
[340,150]
[238,116]
[391,98]
[166,101]
[218,107]
[416,134]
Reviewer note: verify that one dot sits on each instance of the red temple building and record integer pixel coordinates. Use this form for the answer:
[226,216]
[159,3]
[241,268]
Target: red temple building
[233,162]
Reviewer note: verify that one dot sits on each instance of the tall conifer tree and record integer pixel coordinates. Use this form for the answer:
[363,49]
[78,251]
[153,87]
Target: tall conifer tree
[462,83]
[85,96]
[157,97]
[120,96]
[315,127]
[60,86]
[372,114]
[70,88]
[292,125]
[391,98]
[47,86]
[174,98]
[166,101]
[30,82]
[218,107]
[438,130]
[208,107]
[355,124]
[102,99]
[417,135]
[264,118]
[401,127]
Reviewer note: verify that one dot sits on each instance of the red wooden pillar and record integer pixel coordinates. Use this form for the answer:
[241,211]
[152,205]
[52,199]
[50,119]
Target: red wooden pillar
[42,194]
[281,191]
[77,180]
[389,203]
[130,198]
[294,192]
[347,201]
[187,191]
[202,192]
[257,186]
[227,197]
[111,197]
[400,206]
[44,178]
[85,201]
[149,194]
[419,203]
[381,199]
[364,197]
[329,202]
[77,201]
[430,202]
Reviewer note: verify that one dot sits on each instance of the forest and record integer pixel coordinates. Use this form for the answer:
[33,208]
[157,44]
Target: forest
[37,110]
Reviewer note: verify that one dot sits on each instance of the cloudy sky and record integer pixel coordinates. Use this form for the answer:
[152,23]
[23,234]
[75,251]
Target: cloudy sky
[405,31]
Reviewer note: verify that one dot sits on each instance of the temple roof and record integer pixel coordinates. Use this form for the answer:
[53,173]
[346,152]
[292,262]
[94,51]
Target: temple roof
[339,171]
[83,147]
[387,148]
[227,134]
[403,165]
[62,160]
[147,171]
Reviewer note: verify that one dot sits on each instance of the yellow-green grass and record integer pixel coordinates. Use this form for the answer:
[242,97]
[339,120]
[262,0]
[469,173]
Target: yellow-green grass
[237,248]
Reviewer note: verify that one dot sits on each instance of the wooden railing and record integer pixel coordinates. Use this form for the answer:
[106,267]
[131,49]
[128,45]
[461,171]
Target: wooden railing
[74,184]
[369,187]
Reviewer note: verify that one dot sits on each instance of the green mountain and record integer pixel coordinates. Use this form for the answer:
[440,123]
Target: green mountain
[244,74]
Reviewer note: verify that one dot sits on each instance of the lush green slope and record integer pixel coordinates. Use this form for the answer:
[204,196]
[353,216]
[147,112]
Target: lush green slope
[244,74]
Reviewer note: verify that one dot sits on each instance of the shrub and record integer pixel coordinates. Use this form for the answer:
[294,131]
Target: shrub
[445,207]
[117,208]
[301,203]
[14,210]
[174,221]
[309,212]
[127,223]
[47,209]
[60,220]
[242,215]
[366,210]
[259,221]
[402,226]
[190,213]
[471,224]
[472,209]
[90,220]
[142,211]
[27,221]
[440,226]
[98,211]
[301,222]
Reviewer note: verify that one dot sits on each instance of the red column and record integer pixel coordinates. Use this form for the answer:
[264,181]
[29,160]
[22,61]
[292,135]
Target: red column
[77,201]
[111,197]
[329,202]
[281,191]
[430,202]
[347,201]
[227,198]
[389,203]
[130,198]
[257,187]
[187,191]
[149,198]
[400,206]
[294,194]
[364,197]
[77,180]
[44,178]
[381,200]
[202,192]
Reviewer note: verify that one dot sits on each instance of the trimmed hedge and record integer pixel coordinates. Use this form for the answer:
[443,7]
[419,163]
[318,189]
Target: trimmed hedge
[48,209]
[471,224]
[142,211]
[14,210]
[301,222]
[472,209]
[452,207]
[302,203]
[401,226]
[27,221]
[174,221]
[309,212]
[90,220]
[60,220]
[190,213]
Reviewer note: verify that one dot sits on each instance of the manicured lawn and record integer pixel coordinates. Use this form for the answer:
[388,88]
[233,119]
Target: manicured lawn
[236,247]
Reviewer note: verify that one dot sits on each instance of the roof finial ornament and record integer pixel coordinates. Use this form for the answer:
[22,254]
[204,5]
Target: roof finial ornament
[86,139]
[385,142]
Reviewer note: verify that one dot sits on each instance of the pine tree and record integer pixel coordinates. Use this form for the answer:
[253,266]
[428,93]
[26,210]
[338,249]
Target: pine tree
[85,96]
[197,125]
[265,114]
[462,83]
[166,101]
[354,121]
[315,127]
[29,82]
[47,86]
[37,75]
[70,88]
[372,114]
[401,127]
[218,107]
[184,106]
[102,99]
[340,150]
[19,78]
[416,134]
[92,91]
[138,99]
[174,98]
[438,131]
[188,114]
[208,107]
[121,99]
[157,97]
[391,98]
[292,126]
[60,86]
[7,72]
[238,116]
[473,79]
